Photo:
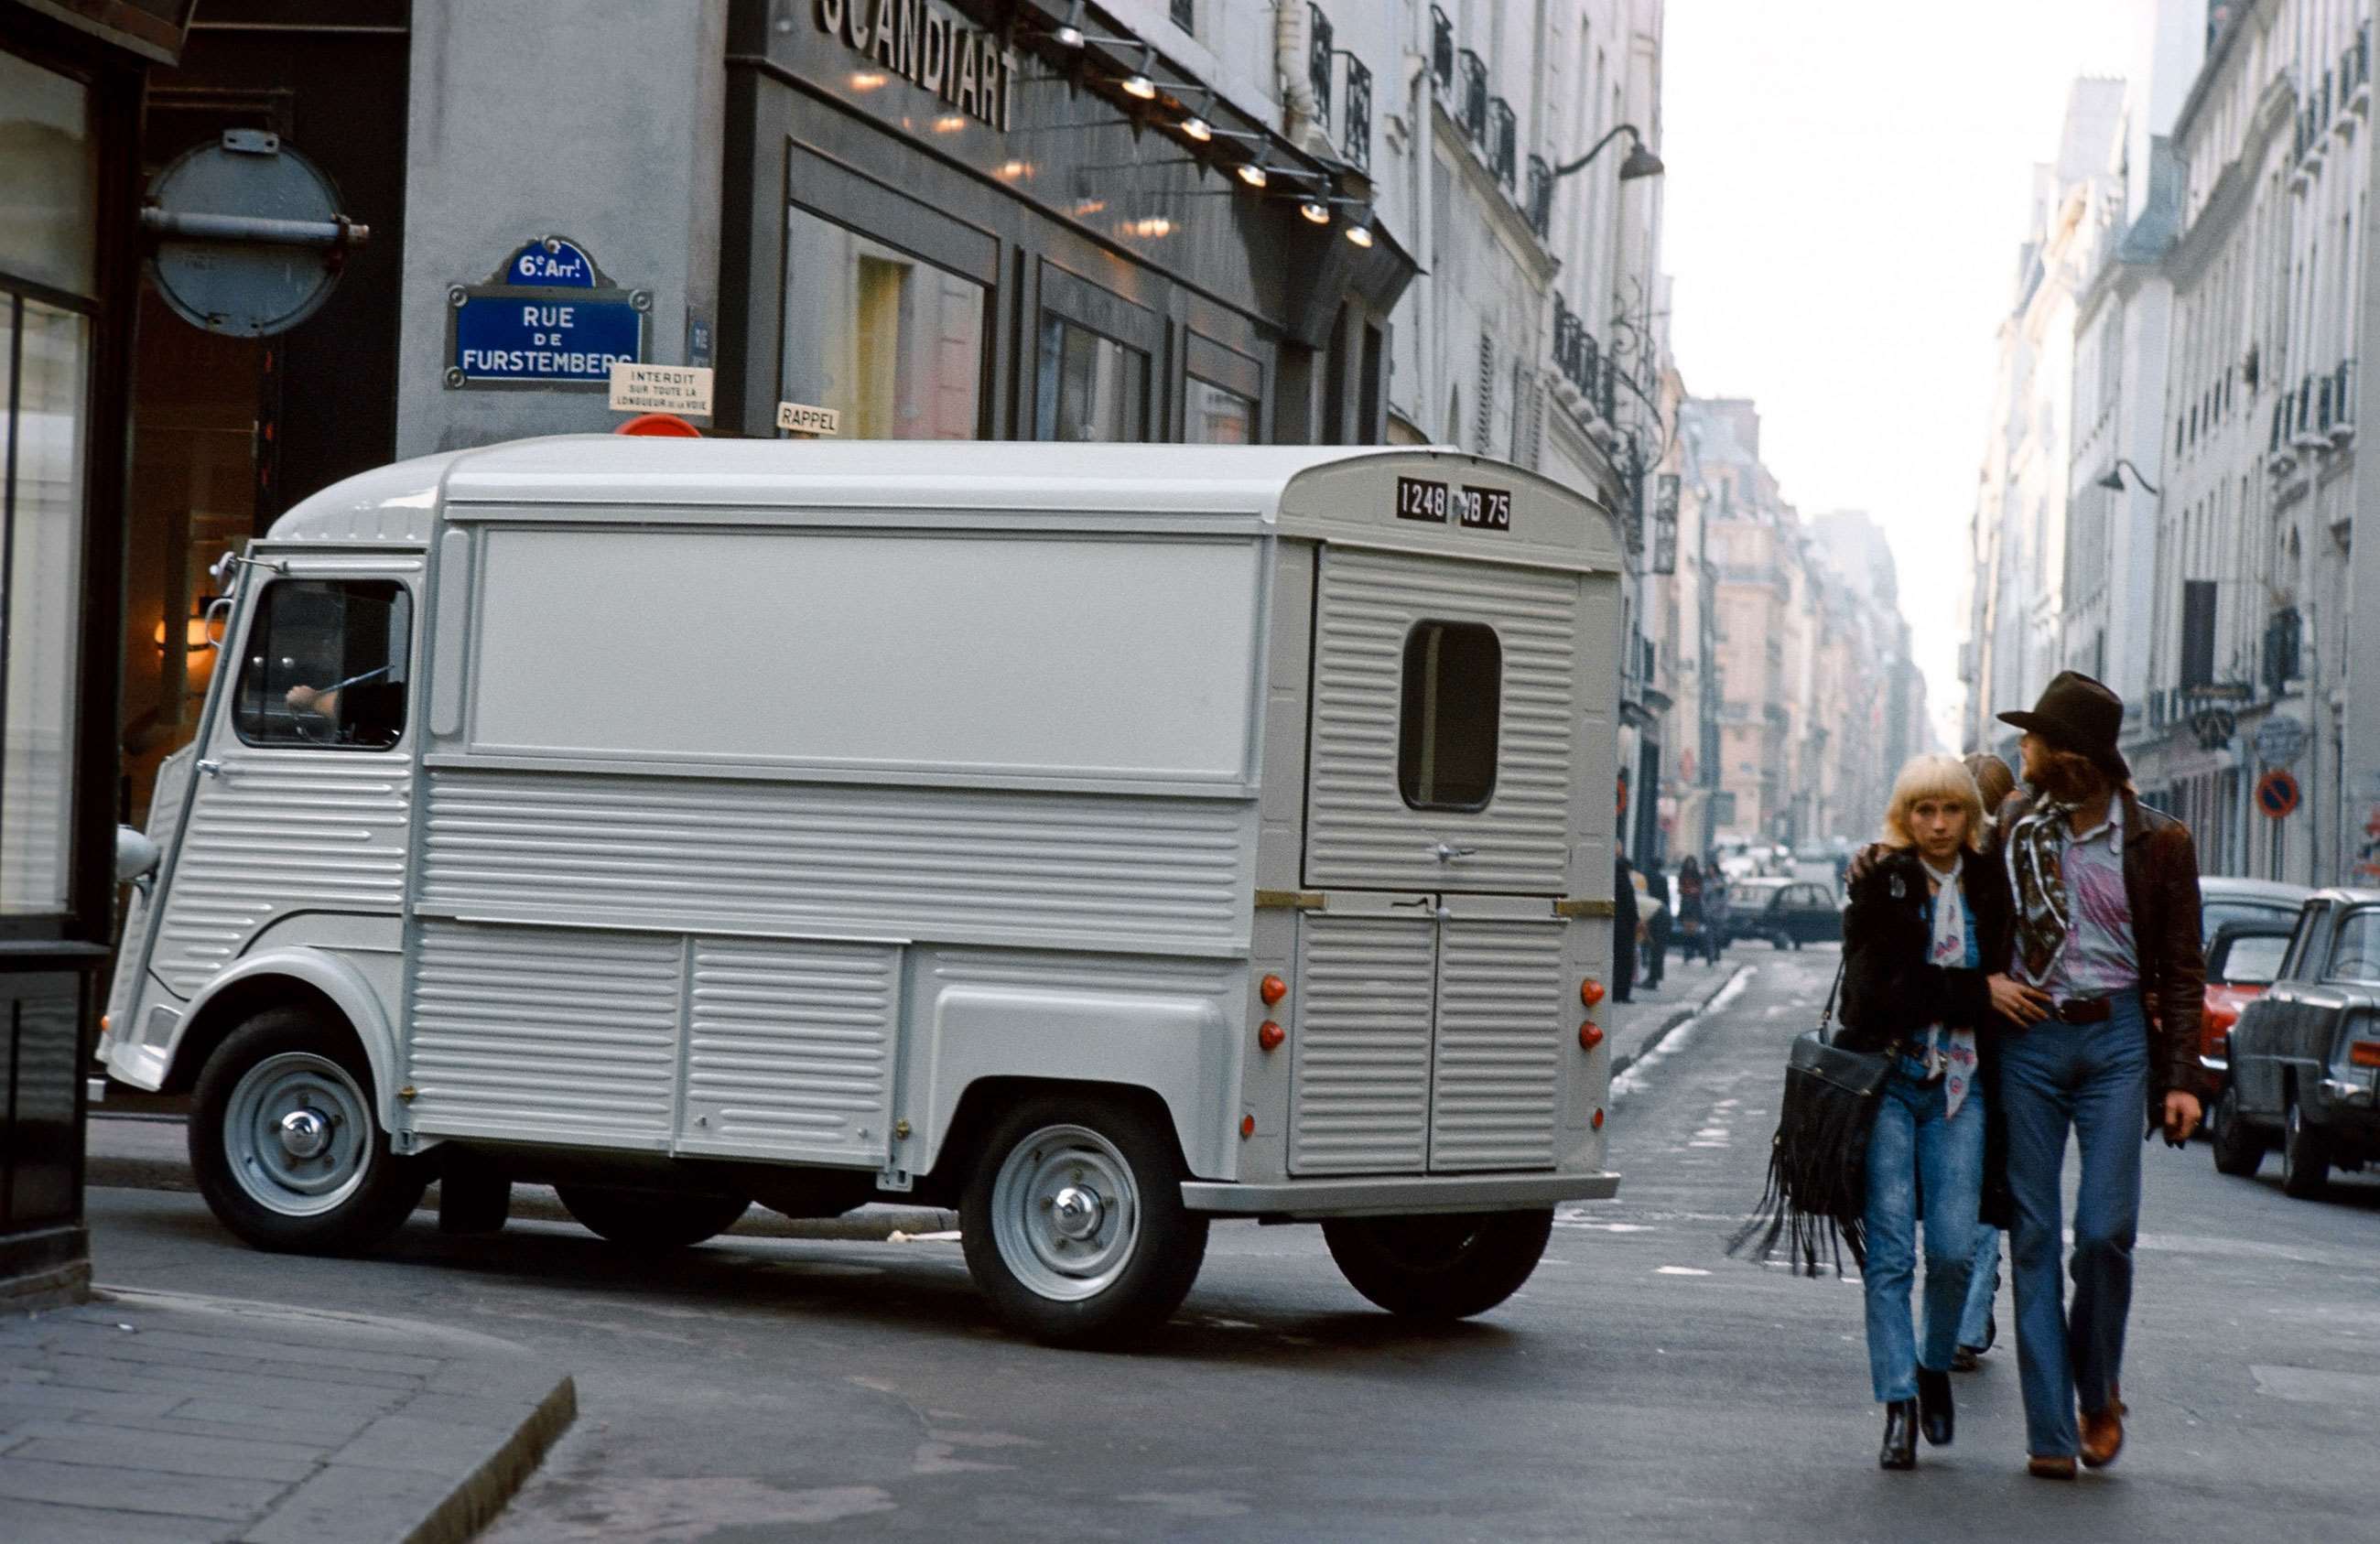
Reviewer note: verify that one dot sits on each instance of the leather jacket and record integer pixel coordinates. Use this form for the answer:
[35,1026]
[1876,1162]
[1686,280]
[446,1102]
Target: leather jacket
[1890,992]
[2161,889]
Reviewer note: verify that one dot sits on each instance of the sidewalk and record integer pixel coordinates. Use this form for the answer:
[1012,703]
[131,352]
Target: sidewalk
[158,1415]
[1635,1026]
[151,1152]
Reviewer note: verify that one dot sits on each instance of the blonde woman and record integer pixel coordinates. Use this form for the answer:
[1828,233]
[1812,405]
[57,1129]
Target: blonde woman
[1924,917]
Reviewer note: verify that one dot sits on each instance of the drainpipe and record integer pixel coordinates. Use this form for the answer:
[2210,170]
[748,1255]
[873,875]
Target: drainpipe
[1300,115]
[1421,141]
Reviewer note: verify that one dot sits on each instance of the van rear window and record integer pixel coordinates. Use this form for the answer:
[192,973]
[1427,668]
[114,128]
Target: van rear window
[1446,734]
[325,665]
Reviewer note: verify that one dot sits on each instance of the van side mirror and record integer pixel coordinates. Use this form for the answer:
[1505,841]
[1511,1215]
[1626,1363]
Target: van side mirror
[136,856]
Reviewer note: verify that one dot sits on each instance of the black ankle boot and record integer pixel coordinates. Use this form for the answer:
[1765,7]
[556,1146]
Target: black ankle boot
[1900,1436]
[1933,1403]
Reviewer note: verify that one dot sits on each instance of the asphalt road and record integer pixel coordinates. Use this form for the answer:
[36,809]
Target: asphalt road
[1642,1386]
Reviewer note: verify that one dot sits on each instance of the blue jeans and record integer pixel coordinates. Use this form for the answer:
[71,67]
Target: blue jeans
[2093,1078]
[1916,1144]
[1983,1285]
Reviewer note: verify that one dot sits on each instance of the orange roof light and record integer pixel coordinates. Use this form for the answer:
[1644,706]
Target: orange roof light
[1272,989]
[1270,1035]
[1247,1126]
[1589,1037]
[1590,992]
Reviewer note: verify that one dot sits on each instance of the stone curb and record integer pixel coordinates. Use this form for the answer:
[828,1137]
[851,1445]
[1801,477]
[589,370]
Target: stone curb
[473,1504]
[535,1203]
[1676,1017]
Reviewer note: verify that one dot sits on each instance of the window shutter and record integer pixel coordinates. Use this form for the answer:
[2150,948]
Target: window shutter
[1483,418]
[2197,633]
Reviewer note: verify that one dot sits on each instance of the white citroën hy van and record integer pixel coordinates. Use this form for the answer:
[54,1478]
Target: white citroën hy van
[1101,839]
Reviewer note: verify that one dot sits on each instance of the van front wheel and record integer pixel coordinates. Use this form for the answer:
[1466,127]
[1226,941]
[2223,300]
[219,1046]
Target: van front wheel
[285,1144]
[1073,1223]
[1440,1267]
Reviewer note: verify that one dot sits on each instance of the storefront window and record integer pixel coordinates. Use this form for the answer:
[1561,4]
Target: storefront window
[49,161]
[45,364]
[1092,387]
[893,344]
[1215,417]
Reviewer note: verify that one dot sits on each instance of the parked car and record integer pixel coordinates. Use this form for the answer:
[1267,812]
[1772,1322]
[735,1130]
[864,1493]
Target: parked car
[2222,898]
[1796,912]
[2241,962]
[1747,901]
[2305,1055]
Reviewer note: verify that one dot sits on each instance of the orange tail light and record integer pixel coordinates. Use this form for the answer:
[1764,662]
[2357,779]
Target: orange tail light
[1590,992]
[1270,1035]
[1589,1036]
[1272,989]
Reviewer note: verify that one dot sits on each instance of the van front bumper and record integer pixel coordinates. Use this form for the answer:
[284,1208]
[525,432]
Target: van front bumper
[1313,1199]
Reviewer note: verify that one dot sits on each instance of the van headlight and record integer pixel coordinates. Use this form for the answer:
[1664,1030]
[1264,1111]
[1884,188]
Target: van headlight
[136,856]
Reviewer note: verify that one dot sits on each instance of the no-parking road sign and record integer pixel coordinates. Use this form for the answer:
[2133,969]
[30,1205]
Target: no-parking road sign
[2277,793]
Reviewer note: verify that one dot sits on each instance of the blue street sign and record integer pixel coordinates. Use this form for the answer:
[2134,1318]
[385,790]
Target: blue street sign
[548,317]
[550,263]
[516,338]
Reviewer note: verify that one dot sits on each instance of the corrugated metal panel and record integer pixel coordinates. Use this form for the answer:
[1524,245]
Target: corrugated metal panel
[1360,1102]
[1500,1028]
[789,1049]
[527,1032]
[279,832]
[1361,833]
[1071,871]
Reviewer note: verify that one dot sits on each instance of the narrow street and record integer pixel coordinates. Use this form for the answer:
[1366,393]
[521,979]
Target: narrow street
[1643,1386]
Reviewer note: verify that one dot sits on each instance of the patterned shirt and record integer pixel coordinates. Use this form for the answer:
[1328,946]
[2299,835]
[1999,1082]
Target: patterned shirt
[2098,958]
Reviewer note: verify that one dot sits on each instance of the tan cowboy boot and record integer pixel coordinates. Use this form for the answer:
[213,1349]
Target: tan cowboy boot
[2103,1431]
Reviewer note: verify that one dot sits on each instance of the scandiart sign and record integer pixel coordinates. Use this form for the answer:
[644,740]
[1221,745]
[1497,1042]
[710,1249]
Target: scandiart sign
[917,41]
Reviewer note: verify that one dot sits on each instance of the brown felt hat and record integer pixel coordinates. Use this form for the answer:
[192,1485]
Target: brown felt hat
[2078,714]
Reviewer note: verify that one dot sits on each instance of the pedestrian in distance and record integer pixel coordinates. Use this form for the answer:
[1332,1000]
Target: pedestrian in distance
[2106,920]
[1653,907]
[1979,1327]
[1693,921]
[1926,913]
[1624,927]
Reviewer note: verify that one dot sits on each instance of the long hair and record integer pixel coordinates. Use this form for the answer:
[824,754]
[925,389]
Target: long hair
[2068,776]
[1937,777]
[1993,780]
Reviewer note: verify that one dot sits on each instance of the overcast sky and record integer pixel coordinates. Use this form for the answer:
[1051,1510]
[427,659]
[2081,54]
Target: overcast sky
[1848,182]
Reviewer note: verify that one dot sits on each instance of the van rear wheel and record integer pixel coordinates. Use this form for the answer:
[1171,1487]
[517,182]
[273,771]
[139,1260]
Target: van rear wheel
[1072,1221]
[285,1144]
[1440,1267]
[652,1221]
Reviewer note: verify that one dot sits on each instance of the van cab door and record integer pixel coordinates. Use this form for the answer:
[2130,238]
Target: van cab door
[300,797]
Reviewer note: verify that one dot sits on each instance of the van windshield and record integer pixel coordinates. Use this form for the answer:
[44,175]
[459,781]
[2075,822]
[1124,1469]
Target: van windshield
[325,665]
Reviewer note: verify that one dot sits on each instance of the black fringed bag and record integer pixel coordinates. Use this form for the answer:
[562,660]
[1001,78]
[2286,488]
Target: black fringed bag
[1816,1198]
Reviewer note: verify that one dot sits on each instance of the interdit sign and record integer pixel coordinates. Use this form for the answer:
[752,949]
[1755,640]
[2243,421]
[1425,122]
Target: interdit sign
[916,39]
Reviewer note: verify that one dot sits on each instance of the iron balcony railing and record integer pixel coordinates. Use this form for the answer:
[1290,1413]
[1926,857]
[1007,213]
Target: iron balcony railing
[1503,142]
[1318,62]
[1541,197]
[1471,107]
[1579,357]
[1355,128]
[1441,49]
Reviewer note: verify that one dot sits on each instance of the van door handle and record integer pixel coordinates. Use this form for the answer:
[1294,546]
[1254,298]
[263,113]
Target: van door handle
[1448,855]
[210,767]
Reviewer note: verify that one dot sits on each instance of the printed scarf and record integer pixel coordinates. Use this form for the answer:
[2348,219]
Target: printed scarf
[1950,1053]
[2036,851]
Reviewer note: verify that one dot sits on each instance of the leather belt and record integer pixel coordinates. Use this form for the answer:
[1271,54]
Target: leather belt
[2083,1010]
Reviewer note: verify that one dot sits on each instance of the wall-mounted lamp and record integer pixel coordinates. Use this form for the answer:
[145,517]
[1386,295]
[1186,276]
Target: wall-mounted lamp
[1640,162]
[1139,84]
[1195,125]
[2113,480]
[1316,209]
[1069,32]
[1253,173]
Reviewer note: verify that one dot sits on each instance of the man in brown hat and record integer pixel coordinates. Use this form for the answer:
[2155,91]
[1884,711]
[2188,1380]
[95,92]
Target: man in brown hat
[2108,931]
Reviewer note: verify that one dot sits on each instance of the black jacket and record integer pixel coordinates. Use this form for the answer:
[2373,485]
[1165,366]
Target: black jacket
[1889,992]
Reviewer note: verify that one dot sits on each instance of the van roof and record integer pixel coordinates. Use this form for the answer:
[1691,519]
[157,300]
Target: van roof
[392,502]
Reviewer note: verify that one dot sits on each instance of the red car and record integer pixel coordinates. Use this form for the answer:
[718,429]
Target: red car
[2242,959]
